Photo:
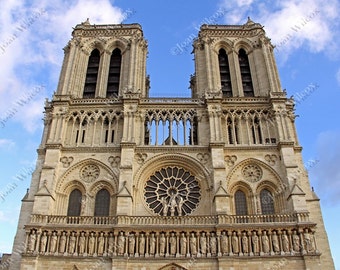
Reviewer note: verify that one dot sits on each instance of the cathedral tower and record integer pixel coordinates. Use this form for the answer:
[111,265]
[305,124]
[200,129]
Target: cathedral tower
[125,181]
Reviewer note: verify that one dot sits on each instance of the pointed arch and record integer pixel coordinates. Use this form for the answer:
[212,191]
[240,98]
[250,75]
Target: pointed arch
[225,44]
[245,44]
[120,43]
[269,174]
[73,173]
[92,44]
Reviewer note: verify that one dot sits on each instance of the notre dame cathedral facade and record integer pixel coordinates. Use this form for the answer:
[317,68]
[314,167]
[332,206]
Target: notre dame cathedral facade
[126,181]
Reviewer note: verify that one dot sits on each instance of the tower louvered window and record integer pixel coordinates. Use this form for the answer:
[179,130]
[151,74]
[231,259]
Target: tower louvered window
[224,73]
[247,84]
[92,75]
[114,74]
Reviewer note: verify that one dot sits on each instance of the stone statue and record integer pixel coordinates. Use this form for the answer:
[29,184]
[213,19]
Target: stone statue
[255,241]
[203,243]
[31,241]
[234,243]
[224,243]
[265,242]
[213,243]
[165,206]
[110,244]
[245,246]
[132,242]
[62,243]
[120,243]
[173,243]
[101,241]
[296,242]
[180,205]
[193,244]
[152,242]
[72,243]
[81,243]
[285,242]
[275,240]
[162,244]
[141,244]
[43,242]
[183,242]
[91,243]
[53,243]
[308,242]
[173,204]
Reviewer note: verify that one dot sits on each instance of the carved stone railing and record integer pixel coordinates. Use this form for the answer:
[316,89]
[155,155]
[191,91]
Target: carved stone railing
[77,220]
[191,221]
[177,100]
[103,101]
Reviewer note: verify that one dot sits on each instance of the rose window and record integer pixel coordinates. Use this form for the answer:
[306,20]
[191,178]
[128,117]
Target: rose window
[172,191]
[89,173]
[252,172]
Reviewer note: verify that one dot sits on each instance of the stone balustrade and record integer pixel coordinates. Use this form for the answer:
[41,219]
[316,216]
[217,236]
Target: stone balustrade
[175,220]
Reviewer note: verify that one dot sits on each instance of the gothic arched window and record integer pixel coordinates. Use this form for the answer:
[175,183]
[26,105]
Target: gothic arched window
[102,205]
[92,74]
[256,131]
[74,203]
[247,84]
[241,203]
[114,74]
[267,202]
[224,73]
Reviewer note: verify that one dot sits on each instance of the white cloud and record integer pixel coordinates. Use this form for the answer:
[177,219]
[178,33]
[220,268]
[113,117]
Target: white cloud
[327,172]
[31,41]
[315,22]
[6,144]
[337,76]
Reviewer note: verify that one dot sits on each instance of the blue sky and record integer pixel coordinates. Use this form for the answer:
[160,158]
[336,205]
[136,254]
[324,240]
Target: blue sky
[307,39]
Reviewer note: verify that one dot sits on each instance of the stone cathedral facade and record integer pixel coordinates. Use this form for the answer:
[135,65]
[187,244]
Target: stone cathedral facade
[126,181]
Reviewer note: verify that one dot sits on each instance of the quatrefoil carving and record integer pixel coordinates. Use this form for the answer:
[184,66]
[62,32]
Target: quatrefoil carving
[230,160]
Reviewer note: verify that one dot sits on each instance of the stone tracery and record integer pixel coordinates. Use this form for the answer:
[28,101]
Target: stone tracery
[172,191]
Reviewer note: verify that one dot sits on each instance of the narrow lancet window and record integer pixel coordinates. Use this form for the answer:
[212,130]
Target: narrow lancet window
[92,75]
[247,84]
[224,73]
[102,205]
[114,74]
[74,203]
[267,202]
[241,203]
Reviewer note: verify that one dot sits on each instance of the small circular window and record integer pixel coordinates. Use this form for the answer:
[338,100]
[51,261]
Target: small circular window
[172,191]
[252,173]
